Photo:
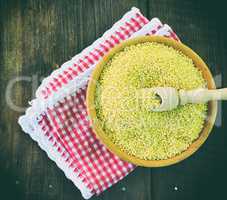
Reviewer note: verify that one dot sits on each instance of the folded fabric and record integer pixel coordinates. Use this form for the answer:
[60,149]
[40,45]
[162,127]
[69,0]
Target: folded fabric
[58,121]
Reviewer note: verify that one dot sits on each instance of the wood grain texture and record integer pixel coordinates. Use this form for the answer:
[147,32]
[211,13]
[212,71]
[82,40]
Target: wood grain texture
[35,35]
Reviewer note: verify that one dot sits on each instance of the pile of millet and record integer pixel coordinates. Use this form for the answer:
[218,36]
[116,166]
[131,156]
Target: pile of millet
[130,124]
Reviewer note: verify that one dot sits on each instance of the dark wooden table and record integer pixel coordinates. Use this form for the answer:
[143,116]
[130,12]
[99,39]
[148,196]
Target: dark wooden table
[36,35]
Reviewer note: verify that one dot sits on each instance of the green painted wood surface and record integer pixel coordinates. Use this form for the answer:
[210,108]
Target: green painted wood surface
[37,35]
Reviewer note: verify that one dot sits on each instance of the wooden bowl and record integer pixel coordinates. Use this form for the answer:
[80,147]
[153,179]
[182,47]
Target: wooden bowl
[96,125]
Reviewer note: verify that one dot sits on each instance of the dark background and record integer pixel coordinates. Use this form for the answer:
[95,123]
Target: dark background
[37,35]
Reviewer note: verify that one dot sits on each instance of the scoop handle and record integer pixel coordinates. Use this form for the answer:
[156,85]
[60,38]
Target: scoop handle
[202,95]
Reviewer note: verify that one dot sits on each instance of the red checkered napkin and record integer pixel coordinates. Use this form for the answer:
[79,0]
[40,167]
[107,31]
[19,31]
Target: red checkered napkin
[58,120]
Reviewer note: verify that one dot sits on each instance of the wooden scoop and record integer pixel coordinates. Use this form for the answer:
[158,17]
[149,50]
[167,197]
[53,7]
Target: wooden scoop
[171,98]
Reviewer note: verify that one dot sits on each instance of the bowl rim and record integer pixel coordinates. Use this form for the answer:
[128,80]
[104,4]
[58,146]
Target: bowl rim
[96,126]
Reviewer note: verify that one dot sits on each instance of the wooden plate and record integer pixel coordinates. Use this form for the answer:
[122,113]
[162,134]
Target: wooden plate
[96,124]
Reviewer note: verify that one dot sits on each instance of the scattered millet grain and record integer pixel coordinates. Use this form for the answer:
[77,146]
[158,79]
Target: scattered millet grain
[138,131]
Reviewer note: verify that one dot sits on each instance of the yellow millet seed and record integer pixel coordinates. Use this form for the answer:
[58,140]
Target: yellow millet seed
[134,128]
